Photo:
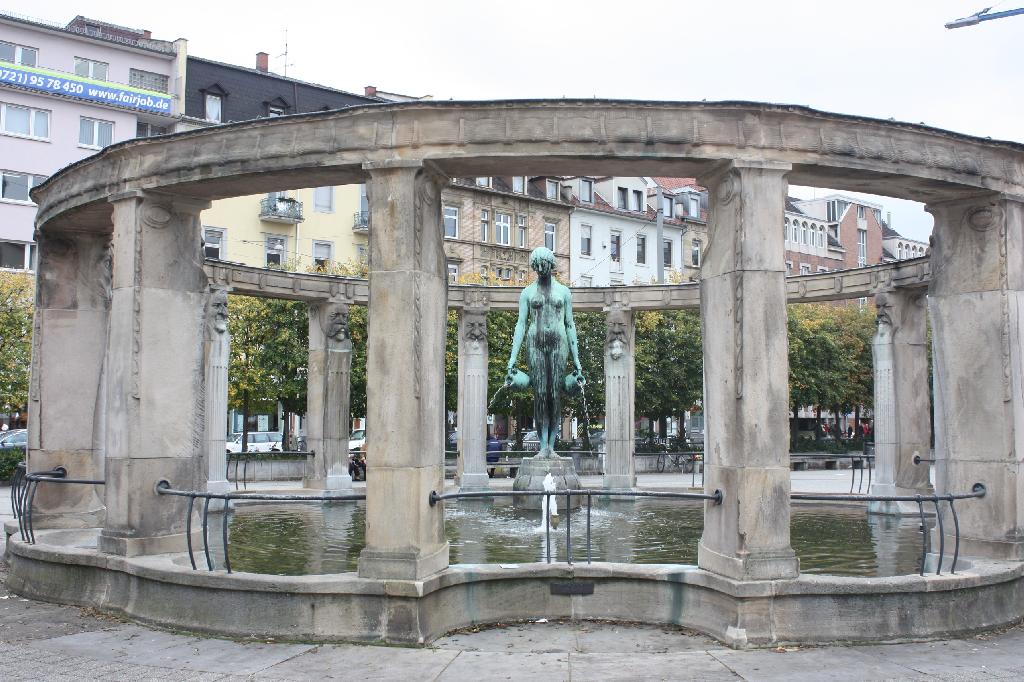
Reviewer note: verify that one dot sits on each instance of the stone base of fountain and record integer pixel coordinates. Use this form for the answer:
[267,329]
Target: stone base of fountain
[531,476]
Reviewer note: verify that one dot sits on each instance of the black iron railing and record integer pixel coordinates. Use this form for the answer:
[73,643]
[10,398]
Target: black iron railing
[978,490]
[246,457]
[361,220]
[918,459]
[281,209]
[23,494]
[435,497]
[858,463]
[163,487]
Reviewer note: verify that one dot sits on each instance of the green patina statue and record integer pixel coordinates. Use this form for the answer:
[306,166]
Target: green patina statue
[550,338]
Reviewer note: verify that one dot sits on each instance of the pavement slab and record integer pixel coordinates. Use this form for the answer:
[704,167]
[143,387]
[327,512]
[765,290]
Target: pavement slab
[692,665]
[352,662]
[479,666]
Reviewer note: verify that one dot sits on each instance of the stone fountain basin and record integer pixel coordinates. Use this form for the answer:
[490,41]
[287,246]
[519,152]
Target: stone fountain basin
[64,567]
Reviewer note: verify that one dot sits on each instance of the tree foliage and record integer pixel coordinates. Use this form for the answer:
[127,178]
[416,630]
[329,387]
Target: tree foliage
[669,363]
[16,304]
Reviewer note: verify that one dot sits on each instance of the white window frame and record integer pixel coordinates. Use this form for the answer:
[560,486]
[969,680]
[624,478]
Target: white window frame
[31,180]
[32,113]
[91,68]
[519,184]
[137,78]
[454,216]
[521,229]
[503,229]
[282,253]
[860,212]
[207,98]
[19,53]
[641,249]
[453,272]
[483,182]
[667,244]
[273,111]
[362,253]
[636,201]
[862,248]
[805,268]
[550,234]
[615,246]
[319,205]
[222,235]
[789,268]
[551,190]
[96,123]
[785,229]
[330,252]
[485,224]
[587,240]
[822,268]
[28,261]
[666,206]
[695,254]
[695,207]
[622,198]
[587,191]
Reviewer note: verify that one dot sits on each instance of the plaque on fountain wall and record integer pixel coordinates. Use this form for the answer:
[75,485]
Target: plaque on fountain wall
[546,325]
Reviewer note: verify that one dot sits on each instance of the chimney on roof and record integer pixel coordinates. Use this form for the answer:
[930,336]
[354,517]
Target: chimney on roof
[262,62]
[888,219]
[147,34]
[370,91]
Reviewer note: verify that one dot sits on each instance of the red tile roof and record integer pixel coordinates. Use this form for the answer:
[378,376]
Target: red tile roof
[677,183]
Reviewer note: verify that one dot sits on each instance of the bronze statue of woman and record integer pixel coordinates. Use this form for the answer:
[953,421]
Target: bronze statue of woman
[551,337]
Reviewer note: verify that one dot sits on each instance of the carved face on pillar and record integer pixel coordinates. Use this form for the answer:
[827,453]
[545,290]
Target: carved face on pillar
[617,338]
[884,317]
[335,321]
[218,311]
[476,328]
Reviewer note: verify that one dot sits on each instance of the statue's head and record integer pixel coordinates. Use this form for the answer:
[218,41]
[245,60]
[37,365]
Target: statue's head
[542,260]
[219,310]
[335,321]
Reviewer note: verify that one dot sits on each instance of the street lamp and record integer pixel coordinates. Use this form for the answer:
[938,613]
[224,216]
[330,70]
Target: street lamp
[981,16]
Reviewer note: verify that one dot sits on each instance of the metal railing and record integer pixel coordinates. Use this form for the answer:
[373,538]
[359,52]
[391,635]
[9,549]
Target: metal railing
[978,490]
[361,220]
[435,497]
[23,494]
[163,487]
[862,461]
[281,209]
[246,457]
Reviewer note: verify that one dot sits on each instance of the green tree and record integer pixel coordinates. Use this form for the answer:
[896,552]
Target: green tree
[669,363]
[269,352]
[16,304]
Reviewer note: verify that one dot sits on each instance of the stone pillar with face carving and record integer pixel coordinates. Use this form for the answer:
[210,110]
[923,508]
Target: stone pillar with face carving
[619,389]
[902,423]
[155,412]
[328,380]
[69,342]
[404,382]
[473,357]
[976,303]
[746,390]
[217,353]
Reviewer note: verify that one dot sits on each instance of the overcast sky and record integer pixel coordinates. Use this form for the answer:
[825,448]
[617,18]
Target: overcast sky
[874,58]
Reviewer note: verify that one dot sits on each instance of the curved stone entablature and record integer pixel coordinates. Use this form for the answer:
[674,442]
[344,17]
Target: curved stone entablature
[822,286]
[463,139]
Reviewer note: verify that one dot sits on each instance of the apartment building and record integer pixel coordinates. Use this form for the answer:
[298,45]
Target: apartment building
[897,247]
[491,224]
[67,91]
[614,229]
[835,232]
[302,229]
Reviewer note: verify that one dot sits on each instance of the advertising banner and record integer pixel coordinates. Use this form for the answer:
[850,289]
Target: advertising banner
[77,87]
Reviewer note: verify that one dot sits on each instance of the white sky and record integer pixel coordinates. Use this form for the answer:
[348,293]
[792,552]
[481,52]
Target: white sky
[879,58]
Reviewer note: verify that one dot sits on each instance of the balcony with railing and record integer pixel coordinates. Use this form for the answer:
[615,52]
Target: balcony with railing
[361,221]
[281,210]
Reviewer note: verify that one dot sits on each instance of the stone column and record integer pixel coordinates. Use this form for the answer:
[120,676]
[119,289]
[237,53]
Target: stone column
[69,340]
[902,420]
[619,389]
[743,317]
[977,312]
[328,377]
[473,358]
[405,374]
[217,354]
[156,417]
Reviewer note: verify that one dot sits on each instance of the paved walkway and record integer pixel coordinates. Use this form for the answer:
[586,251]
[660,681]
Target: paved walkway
[46,642]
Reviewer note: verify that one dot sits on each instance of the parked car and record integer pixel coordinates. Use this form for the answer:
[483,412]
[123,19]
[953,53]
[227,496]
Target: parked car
[259,441]
[15,441]
[357,440]
[357,465]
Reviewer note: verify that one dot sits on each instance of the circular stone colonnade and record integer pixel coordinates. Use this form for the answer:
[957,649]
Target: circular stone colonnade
[120,354]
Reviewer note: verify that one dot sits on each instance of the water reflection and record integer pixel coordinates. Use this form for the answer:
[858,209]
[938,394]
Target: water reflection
[302,539]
